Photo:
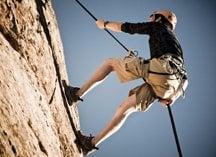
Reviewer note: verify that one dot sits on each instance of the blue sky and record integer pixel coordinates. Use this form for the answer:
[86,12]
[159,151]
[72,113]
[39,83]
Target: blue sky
[149,133]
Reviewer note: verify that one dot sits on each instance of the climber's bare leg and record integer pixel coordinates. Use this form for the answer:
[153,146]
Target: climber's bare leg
[124,110]
[98,76]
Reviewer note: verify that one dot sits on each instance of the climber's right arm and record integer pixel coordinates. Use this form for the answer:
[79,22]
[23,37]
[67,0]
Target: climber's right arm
[113,26]
[131,28]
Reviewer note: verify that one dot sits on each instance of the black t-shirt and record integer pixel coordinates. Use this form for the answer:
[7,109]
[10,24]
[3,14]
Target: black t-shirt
[162,40]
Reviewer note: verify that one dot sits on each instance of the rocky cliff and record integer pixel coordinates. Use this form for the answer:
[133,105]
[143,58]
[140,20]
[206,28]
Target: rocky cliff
[35,119]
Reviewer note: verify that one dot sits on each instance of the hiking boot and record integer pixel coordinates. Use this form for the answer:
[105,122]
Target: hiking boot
[85,143]
[88,147]
[71,94]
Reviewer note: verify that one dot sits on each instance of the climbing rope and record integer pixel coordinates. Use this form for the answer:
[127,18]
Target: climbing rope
[169,108]
[105,28]
[174,131]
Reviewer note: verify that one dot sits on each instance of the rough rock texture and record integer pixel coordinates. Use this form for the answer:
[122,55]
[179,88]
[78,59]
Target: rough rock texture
[35,119]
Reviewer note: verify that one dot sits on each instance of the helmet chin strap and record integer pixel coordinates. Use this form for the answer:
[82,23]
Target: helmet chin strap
[158,19]
[154,19]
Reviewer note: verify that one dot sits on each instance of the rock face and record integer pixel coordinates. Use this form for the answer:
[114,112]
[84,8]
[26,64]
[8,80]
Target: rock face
[35,119]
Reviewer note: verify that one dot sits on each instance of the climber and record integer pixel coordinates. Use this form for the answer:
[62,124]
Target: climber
[164,74]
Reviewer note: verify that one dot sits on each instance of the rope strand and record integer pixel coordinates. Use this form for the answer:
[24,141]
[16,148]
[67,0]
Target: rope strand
[174,131]
[105,28]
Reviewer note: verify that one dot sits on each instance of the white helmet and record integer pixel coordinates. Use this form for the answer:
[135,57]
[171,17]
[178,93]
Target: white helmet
[169,15]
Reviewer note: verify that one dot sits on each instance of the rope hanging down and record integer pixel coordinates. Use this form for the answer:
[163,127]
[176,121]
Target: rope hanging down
[169,108]
[174,131]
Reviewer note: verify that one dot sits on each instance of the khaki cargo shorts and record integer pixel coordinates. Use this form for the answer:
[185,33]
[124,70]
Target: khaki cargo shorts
[163,86]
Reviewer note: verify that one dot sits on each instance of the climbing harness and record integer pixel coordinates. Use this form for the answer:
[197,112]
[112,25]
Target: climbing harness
[177,65]
[132,53]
